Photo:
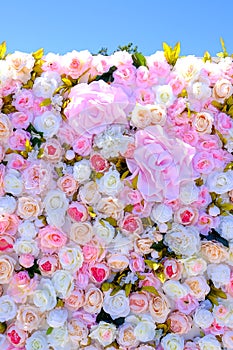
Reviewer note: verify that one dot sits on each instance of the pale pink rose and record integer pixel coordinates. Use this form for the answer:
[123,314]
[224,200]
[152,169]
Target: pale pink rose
[203,162]
[142,76]
[95,106]
[186,216]
[8,224]
[130,196]
[99,272]
[138,302]
[149,279]
[206,222]
[221,158]
[93,251]
[190,136]
[126,337]
[110,207]
[77,211]
[159,307]
[144,96]
[77,331]
[131,224]
[98,163]
[158,65]
[76,300]
[175,111]
[216,329]
[229,286]
[209,142]
[177,84]
[82,146]
[6,243]
[204,197]
[125,75]
[28,207]
[100,64]
[161,163]
[5,128]
[21,120]
[76,63]
[16,336]
[28,317]
[2,152]
[93,299]
[66,134]
[222,90]
[198,287]
[85,317]
[52,62]
[50,239]
[191,346]
[48,264]
[21,286]
[36,177]
[136,262]
[67,184]
[227,339]
[179,323]
[7,264]
[172,268]
[18,139]
[117,262]
[10,87]
[187,304]
[203,122]
[224,123]
[17,162]
[143,245]
[52,150]
[23,100]
[26,260]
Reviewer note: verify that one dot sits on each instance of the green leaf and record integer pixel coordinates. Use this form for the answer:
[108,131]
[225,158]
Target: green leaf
[125,174]
[49,330]
[225,53]
[115,290]
[158,246]
[2,50]
[38,54]
[3,327]
[128,288]
[150,289]
[45,102]
[171,54]
[111,221]
[67,82]
[217,105]
[135,182]
[138,60]
[128,208]
[206,57]
[105,286]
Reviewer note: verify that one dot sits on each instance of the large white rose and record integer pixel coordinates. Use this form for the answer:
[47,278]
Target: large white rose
[8,308]
[116,305]
[7,205]
[45,296]
[161,213]
[82,170]
[56,204]
[48,123]
[110,183]
[71,258]
[104,333]
[145,329]
[13,182]
[45,85]
[37,341]
[26,246]
[172,342]
[220,274]
[104,231]
[209,342]
[226,227]
[59,338]
[220,182]
[63,283]
[175,290]
[203,318]
[57,317]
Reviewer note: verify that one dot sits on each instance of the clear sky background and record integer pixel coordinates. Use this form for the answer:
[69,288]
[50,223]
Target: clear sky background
[64,25]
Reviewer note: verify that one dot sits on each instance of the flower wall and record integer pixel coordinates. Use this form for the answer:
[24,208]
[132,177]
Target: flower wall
[116,201]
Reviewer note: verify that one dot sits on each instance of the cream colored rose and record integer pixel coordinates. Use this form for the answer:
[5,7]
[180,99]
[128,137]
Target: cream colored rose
[28,208]
[198,286]
[28,317]
[143,245]
[141,116]
[214,252]
[93,300]
[5,128]
[203,122]
[126,337]
[112,207]
[159,307]
[222,90]
[77,331]
[117,262]
[89,193]
[194,266]
[81,232]
[175,290]
[7,264]
[158,114]
[21,65]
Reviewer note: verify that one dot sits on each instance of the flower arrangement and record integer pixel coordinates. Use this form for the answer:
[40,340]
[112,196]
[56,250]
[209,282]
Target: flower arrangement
[116,201]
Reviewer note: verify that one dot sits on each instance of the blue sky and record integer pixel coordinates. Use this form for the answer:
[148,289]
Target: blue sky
[64,25]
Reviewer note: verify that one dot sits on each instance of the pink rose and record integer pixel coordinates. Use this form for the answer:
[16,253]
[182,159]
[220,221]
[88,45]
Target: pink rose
[93,251]
[48,264]
[76,63]
[52,150]
[98,163]
[95,106]
[224,123]
[172,269]
[136,263]
[51,239]
[186,216]
[23,100]
[76,300]
[77,211]
[8,223]
[99,272]
[131,224]
[138,302]
[149,280]
[21,286]
[16,336]
[21,120]
[161,163]
[67,184]
[187,304]
[26,260]
[6,243]
[17,162]
[18,139]
[203,162]
[82,146]
[179,323]
[125,75]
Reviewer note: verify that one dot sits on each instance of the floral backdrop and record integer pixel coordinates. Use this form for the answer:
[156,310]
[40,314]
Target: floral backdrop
[116,201]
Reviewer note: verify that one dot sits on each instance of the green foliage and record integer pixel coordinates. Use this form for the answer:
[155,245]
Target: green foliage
[171,54]
[2,50]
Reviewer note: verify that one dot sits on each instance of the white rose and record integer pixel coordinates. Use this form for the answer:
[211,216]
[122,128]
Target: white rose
[57,317]
[21,65]
[172,342]
[220,274]
[161,213]
[104,333]
[188,68]
[26,246]
[45,85]
[37,341]
[164,95]
[104,231]
[89,193]
[141,116]
[27,230]
[222,90]
[63,283]
[8,308]
[116,305]
[188,193]
[45,296]
[58,338]
[56,204]
[82,170]
[145,329]
[110,183]
[223,313]
[158,114]
[203,318]
[220,182]
[48,123]
[226,227]
[174,289]
[81,232]
[183,240]
[209,342]
[13,183]
[7,205]
[199,90]
[227,339]
[194,266]
[71,258]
